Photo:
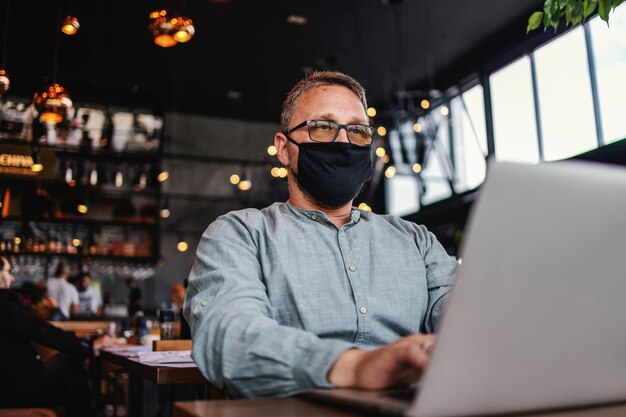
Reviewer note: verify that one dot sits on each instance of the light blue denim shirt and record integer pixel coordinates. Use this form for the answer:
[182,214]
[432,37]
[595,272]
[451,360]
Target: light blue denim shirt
[276,295]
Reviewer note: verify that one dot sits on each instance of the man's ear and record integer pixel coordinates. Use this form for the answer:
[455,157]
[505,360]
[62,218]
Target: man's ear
[280,142]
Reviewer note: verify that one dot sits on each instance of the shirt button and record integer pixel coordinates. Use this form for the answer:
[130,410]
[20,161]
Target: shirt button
[314,217]
[204,303]
[352,268]
[363,310]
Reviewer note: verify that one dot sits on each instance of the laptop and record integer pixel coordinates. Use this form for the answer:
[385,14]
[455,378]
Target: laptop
[537,319]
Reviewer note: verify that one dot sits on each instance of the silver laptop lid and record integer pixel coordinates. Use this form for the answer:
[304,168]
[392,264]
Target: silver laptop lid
[538,316]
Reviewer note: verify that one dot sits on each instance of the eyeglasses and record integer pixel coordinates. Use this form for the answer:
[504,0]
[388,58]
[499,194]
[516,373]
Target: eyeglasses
[327,131]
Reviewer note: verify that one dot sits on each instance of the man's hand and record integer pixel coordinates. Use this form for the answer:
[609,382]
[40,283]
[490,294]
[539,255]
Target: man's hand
[399,363]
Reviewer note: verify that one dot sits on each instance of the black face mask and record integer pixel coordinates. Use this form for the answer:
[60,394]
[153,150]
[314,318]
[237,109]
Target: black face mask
[333,173]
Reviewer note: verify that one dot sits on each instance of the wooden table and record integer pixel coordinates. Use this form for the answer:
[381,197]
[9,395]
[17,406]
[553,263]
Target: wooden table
[83,328]
[296,407]
[161,376]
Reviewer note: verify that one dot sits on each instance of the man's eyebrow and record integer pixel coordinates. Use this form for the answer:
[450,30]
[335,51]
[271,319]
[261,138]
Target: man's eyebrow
[331,117]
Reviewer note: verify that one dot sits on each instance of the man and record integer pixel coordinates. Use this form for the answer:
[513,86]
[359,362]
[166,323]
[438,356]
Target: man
[89,298]
[26,380]
[64,293]
[314,293]
[134,296]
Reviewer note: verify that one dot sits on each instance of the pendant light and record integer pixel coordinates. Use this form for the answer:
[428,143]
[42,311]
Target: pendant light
[70,25]
[169,29]
[53,103]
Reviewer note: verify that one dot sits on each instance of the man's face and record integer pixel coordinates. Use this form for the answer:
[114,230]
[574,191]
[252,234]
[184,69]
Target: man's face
[334,103]
[6,279]
[84,283]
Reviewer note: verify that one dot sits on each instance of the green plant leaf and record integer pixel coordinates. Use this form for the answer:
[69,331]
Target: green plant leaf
[568,16]
[577,9]
[589,7]
[550,7]
[534,21]
[617,3]
[604,6]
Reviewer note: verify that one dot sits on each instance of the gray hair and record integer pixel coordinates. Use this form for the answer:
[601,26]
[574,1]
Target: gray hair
[315,80]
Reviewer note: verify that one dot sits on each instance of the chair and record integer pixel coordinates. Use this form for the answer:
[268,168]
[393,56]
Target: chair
[211,392]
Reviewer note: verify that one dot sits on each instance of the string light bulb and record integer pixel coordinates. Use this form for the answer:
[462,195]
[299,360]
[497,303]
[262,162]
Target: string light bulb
[381,131]
[163,176]
[380,152]
[271,150]
[82,208]
[182,246]
[390,172]
[70,25]
[244,185]
[425,104]
[371,111]
[234,179]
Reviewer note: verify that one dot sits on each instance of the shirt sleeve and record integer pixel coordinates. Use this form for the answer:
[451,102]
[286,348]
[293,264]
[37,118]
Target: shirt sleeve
[440,276]
[237,342]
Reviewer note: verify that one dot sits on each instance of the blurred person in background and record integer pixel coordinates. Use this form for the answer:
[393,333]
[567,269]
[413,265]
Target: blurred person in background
[64,293]
[177,292]
[89,298]
[35,299]
[27,380]
[134,296]
[178,297]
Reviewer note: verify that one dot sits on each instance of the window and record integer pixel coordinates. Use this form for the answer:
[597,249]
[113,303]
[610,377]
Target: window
[608,46]
[402,195]
[565,102]
[515,130]
[469,139]
[436,165]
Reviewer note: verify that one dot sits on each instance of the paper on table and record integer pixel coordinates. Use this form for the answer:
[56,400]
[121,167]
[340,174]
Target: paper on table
[167,358]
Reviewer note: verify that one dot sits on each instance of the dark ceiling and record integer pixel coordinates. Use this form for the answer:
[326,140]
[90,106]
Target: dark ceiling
[249,47]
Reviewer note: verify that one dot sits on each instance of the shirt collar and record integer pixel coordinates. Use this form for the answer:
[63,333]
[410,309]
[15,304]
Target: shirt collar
[316,215]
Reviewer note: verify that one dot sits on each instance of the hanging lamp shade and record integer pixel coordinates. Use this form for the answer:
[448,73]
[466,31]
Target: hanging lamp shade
[52,104]
[5,83]
[169,30]
[70,25]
